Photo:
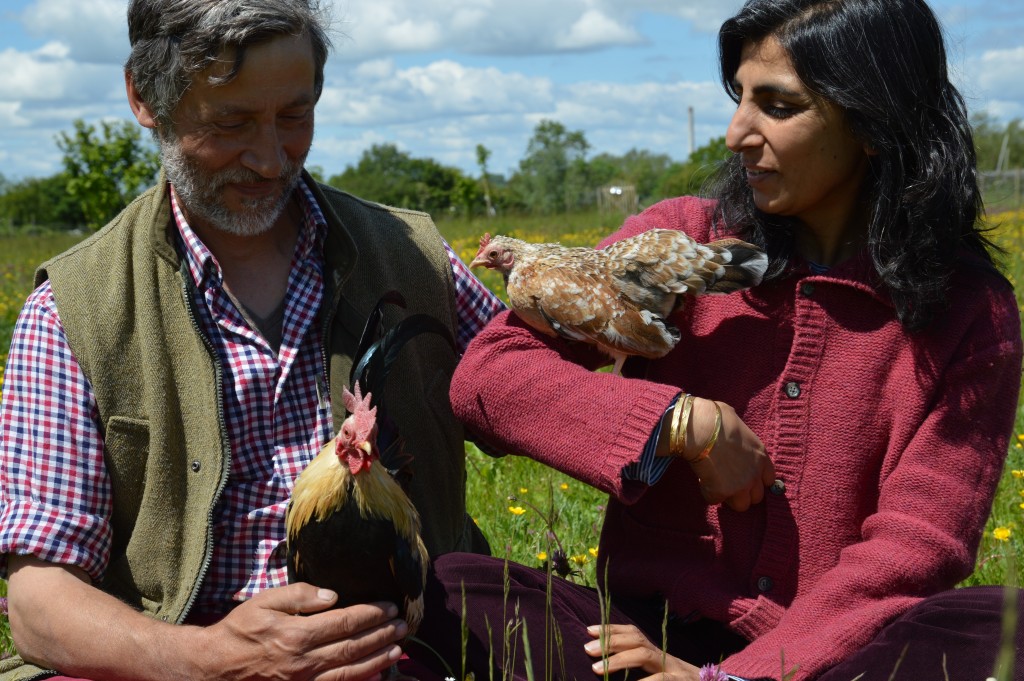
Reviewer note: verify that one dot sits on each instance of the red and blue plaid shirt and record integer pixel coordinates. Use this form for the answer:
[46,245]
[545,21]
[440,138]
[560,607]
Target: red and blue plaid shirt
[55,497]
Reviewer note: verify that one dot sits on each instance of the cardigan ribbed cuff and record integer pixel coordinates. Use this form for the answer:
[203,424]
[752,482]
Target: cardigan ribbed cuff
[632,437]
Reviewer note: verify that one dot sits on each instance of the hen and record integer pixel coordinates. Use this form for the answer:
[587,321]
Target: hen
[350,526]
[618,298]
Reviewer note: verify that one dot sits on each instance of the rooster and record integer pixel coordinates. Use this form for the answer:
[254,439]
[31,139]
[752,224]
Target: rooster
[618,298]
[350,525]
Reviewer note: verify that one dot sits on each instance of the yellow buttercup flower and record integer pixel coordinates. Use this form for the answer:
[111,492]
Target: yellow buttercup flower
[564,486]
[543,555]
[523,490]
[592,552]
[1001,533]
[581,559]
[516,510]
[1017,474]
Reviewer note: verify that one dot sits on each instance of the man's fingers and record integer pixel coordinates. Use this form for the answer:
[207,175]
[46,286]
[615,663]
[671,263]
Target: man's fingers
[376,660]
[296,599]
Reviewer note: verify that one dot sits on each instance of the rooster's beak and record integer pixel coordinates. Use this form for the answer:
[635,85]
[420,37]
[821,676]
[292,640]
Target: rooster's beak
[366,447]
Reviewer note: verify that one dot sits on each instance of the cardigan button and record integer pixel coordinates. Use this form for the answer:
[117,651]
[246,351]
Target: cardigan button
[793,390]
[196,465]
[765,584]
[778,488]
[807,289]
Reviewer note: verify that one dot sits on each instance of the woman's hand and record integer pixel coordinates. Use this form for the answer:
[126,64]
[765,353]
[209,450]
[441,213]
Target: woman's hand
[628,648]
[737,469]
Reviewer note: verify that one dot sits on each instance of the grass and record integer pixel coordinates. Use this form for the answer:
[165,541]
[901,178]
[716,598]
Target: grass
[529,511]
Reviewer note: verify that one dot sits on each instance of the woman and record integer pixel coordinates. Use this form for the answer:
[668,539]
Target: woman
[878,366]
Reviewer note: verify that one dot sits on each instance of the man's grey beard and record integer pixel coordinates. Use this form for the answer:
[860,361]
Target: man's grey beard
[200,192]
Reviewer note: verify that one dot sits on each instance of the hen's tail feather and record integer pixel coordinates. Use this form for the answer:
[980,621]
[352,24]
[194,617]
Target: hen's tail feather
[743,267]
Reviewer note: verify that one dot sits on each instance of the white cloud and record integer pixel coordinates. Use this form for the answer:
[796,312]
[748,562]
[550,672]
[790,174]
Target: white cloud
[595,29]
[48,74]
[705,16]
[11,117]
[997,73]
[444,109]
[484,26]
[94,31]
[375,94]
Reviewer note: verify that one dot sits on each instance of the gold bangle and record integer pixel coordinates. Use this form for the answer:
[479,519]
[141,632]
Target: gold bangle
[677,412]
[710,444]
[681,421]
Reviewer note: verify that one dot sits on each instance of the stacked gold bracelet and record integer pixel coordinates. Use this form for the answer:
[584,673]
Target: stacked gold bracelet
[680,422]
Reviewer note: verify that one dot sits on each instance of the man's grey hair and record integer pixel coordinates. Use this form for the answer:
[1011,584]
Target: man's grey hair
[172,40]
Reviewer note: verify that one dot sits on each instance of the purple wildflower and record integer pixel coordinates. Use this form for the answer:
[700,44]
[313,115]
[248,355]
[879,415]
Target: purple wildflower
[3,607]
[711,672]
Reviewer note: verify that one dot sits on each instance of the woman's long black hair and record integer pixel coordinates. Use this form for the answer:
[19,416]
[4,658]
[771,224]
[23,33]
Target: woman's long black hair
[883,62]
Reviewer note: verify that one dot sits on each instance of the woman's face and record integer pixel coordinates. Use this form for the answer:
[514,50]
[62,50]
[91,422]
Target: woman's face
[800,156]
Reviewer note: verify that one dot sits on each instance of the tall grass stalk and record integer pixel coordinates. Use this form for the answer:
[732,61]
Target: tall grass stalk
[1004,666]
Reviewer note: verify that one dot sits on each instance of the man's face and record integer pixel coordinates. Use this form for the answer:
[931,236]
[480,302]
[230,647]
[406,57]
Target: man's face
[236,150]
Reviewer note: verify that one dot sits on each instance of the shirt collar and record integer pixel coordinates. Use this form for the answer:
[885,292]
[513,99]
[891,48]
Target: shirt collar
[203,265]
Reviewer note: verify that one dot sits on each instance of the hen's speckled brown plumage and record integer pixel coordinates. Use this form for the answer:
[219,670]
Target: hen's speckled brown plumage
[618,298]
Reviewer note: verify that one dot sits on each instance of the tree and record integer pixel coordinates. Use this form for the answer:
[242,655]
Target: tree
[105,172]
[39,202]
[638,167]
[994,141]
[553,176]
[482,154]
[682,179]
[387,175]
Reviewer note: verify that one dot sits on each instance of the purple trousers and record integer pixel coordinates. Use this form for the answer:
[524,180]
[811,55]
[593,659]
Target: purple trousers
[953,635]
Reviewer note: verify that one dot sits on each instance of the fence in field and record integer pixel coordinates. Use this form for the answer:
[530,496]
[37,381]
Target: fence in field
[1001,189]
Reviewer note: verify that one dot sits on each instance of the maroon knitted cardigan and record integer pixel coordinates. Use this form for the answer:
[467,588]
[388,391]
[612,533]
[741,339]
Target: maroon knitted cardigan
[888,446]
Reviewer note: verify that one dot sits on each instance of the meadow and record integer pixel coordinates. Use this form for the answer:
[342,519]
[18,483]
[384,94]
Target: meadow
[530,513]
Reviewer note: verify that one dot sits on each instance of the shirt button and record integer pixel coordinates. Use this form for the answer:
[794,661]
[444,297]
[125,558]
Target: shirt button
[765,584]
[807,289]
[196,466]
[778,488]
[793,390]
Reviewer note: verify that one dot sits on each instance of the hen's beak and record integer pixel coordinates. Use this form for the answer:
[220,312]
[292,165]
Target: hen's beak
[479,261]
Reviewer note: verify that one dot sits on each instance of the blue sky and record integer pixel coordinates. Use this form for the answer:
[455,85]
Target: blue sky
[438,77]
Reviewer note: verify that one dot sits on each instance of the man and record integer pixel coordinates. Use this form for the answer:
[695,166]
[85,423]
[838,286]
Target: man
[173,374]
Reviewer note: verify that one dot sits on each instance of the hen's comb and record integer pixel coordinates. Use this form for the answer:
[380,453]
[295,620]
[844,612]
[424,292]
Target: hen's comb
[485,239]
